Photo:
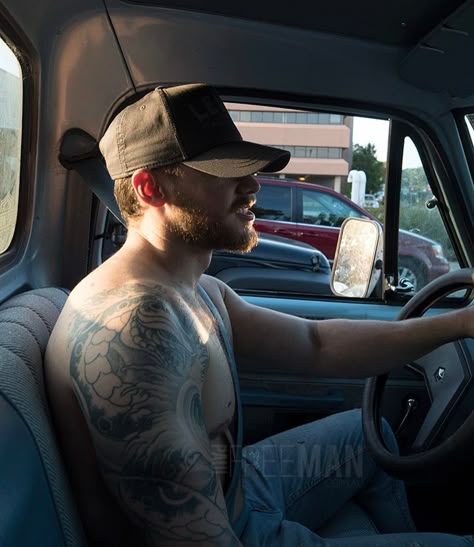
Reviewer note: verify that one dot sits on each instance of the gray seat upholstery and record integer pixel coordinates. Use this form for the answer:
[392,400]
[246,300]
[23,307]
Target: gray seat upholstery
[36,505]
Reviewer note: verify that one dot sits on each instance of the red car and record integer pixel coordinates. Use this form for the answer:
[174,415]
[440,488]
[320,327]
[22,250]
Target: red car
[313,214]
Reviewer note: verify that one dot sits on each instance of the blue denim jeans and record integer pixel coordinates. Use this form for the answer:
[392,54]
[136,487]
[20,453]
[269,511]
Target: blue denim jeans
[296,481]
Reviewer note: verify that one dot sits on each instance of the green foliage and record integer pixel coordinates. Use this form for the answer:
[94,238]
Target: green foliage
[428,223]
[378,212]
[425,222]
[364,158]
[415,177]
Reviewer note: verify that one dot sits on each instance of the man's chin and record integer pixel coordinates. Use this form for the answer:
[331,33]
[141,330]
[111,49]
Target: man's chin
[218,238]
[242,246]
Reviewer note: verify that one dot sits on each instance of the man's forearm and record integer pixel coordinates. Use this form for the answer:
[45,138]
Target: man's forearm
[366,348]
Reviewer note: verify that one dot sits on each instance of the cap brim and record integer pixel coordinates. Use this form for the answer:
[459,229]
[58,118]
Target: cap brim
[240,159]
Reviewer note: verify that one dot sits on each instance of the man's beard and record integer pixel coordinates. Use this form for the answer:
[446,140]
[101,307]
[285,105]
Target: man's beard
[194,226]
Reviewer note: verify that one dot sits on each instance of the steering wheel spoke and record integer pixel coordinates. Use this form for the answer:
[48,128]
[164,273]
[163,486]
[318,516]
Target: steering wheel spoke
[446,375]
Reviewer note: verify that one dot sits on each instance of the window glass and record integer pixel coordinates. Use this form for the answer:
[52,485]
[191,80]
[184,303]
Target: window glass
[274,203]
[322,156]
[320,193]
[326,209]
[256,116]
[425,250]
[314,211]
[11,89]
[299,210]
[325,193]
[335,118]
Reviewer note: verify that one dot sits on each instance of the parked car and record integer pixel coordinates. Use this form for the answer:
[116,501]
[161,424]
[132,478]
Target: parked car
[380,196]
[370,201]
[313,214]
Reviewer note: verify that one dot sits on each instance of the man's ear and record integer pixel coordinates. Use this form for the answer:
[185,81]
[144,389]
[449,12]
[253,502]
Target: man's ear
[147,188]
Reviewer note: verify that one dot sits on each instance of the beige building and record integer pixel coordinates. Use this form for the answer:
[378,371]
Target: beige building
[320,143]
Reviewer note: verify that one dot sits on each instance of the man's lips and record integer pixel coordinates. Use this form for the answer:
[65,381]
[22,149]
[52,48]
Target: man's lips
[245,205]
[245,212]
[242,208]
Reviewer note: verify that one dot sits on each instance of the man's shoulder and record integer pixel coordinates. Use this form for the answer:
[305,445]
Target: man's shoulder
[91,296]
[213,286]
[136,322]
[218,292]
[93,305]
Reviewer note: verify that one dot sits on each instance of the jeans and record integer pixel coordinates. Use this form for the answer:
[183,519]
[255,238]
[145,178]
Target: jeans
[294,482]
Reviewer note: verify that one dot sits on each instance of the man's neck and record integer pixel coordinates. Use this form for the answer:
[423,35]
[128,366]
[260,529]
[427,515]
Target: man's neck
[155,254]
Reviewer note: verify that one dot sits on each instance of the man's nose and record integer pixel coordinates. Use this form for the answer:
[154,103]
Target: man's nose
[249,185]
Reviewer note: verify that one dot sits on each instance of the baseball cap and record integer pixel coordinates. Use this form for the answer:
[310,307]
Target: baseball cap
[184,124]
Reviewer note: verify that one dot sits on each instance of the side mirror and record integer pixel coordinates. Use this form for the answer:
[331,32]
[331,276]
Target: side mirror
[357,264]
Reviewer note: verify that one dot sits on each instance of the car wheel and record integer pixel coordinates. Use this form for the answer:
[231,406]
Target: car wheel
[413,272]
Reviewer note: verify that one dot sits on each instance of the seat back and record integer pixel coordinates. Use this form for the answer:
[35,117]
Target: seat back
[36,505]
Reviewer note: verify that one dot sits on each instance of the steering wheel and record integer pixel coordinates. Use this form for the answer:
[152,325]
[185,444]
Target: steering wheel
[447,382]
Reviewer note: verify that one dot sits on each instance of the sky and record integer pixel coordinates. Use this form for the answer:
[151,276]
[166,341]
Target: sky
[367,130]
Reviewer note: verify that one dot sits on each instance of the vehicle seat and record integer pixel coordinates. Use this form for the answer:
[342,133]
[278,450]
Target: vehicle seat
[36,504]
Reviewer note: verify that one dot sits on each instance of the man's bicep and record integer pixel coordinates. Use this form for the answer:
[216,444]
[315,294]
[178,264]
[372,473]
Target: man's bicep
[273,341]
[138,381]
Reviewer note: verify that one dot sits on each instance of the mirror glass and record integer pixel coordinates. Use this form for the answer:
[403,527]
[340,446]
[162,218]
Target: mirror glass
[358,249]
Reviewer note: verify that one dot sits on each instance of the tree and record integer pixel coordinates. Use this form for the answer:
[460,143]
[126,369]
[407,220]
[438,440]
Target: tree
[364,158]
[415,177]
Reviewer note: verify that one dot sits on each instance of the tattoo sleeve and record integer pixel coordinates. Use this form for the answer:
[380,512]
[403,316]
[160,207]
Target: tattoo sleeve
[137,367]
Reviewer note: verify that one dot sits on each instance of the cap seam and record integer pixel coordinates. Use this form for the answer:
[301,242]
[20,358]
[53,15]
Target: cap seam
[151,165]
[121,145]
[171,121]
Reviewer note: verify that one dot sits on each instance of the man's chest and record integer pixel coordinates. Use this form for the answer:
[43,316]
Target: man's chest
[218,392]
[217,388]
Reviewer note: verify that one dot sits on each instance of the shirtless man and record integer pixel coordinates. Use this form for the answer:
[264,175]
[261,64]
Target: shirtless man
[140,368]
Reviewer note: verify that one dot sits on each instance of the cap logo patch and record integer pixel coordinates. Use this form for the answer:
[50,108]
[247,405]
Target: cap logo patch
[207,109]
